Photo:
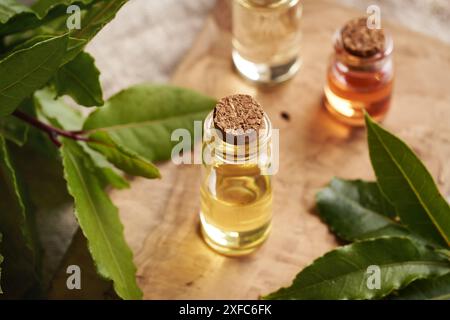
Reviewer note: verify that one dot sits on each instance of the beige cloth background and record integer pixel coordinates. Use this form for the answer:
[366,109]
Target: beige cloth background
[149,37]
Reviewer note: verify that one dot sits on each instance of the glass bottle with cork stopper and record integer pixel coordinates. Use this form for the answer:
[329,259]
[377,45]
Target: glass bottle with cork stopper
[236,190]
[360,75]
[266,39]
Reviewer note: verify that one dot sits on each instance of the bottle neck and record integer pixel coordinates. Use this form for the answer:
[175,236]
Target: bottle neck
[372,63]
[247,149]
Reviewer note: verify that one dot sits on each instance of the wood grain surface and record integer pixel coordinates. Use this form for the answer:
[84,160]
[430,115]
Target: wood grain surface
[161,217]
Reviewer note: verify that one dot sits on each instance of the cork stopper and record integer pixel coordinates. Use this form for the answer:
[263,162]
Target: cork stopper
[238,115]
[361,41]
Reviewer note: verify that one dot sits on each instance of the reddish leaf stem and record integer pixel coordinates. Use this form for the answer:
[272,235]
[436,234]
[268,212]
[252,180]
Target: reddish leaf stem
[51,131]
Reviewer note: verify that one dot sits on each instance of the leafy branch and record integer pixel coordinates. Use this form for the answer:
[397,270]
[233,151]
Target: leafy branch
[40,63]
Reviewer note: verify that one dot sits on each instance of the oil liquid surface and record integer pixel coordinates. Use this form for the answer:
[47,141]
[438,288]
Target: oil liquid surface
[266,38]
[348,93]
[236,208]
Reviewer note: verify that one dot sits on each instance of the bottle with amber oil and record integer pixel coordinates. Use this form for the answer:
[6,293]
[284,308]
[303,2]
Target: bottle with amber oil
[266,39]
[360,75]
[236,191]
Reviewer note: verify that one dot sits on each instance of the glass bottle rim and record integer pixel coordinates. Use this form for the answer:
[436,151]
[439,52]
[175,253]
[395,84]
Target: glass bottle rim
[249,150]
[354,60]
[267,4]
[264,134]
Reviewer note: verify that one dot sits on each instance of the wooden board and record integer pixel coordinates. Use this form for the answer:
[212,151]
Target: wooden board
[161,217]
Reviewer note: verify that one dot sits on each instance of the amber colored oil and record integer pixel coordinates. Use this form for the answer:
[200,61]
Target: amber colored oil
[357,84]
[236,207]
[349,92]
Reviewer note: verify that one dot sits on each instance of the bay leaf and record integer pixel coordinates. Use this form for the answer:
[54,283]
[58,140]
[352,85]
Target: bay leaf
[27,70]
[51,16]
[79,79]
[14,129]
[143,117]
[437,288]
[122,158]
[99,220]
[109,177]
[19,18]
[20,249]
[61,114]
[99,14]
[356,210]
[94,287]
[408,185]
[10,9]
[51,107]
[43,7]
[343,273]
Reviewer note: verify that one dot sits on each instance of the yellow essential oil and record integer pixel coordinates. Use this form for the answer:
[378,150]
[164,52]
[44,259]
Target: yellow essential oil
[236,192]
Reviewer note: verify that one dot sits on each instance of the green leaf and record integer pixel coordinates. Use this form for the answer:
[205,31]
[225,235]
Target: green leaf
[343,273]
[356,210]
[426,289]
[19,247]
[15,129]
[52,107]
[353,208]
[94,287]
[108,177]
[61,114]
[10,9]
[100,222]
[43,7]
[107,174]
[445,253]
[98,15]
[43,14]
[44,179]
[123,159]
[80,79]
[72,44]
[143,117]
[39,142]
[408,185]
[27,70]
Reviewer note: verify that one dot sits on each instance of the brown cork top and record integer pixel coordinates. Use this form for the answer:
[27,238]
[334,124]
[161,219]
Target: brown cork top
[361,41]
[238,115]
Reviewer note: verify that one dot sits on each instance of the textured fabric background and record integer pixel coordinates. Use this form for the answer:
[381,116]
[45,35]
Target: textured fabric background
[431,17]
[148,38]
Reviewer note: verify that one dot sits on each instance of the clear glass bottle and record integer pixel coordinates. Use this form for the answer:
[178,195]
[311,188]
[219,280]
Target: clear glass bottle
[266,39]
[236,191]
[355,84]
